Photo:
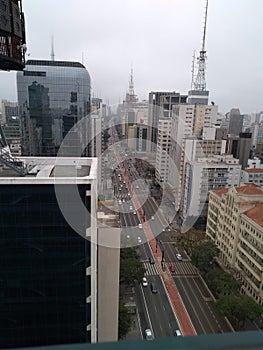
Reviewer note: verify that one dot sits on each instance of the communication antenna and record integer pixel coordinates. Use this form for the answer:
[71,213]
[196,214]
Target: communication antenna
[200,81]
[52,55]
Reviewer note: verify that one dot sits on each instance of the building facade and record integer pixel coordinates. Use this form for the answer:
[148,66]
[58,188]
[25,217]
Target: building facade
[253,175]
[48,263]
[160,105]
[187,122]
[235,224]
[52,97]
[200,177]
[163,148]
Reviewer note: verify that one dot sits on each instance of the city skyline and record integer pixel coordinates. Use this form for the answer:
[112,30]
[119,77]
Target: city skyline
[155,36]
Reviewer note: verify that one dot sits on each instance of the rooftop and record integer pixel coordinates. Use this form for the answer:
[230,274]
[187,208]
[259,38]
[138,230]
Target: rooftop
[54,63]
[254,170]
[49,169]
[255,214]
[249,189]
[220,192]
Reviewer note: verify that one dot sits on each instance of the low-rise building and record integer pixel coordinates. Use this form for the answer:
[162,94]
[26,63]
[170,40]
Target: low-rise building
[254,175]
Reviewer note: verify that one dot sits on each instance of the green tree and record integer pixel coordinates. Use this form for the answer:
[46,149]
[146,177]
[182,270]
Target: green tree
[222,283]
[203,255]
[131,269]
[124,321]
[239,308]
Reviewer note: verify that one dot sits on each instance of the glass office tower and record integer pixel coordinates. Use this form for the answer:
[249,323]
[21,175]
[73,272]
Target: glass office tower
[52,97]
[48,288]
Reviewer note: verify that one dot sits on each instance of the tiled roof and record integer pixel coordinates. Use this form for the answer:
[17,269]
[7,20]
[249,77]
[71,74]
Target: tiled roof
[256,214]
[254,171]
[249,189]
[220,191]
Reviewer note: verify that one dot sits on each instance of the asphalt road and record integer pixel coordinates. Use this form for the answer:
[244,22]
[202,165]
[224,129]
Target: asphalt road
[154,309]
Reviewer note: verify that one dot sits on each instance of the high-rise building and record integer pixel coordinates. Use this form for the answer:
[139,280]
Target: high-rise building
[10,122]
[9,110]
[188,121]
[48,242]
[240,147]
[52,97]
[160,105]
[235,122]
[201,176]
[163,148]
[234,223]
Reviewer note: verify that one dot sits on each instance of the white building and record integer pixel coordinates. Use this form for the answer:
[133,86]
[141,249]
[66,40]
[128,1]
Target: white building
[252,175]
[188,121]
[203,175]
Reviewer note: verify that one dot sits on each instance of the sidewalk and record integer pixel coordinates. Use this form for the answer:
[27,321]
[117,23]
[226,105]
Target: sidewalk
[135,332]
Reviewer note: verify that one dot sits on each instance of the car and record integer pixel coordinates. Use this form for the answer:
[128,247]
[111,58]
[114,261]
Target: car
[137,187]
[140,226]
[177,333]
[179,256]
[153,288]
[123,200]
[152,217]
[169,229]
[134,212]
[128,236]
[148,334]
[131,207]
[139,239]
[120,201]
[144,282]
[172,269]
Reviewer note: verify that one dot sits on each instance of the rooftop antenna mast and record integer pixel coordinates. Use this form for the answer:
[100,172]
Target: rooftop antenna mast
[52,55]
[131,83]
[200,81]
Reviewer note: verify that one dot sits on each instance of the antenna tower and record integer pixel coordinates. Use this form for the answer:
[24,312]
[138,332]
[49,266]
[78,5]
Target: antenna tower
[52,55]
[131,84]
[200,82]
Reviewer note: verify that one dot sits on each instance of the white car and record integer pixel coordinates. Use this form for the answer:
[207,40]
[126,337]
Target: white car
[144,282]
[120,201]
[139,240]
[134,212]
[131,208]
[140,226]
[148,334]
[177,333]
[179,256]
[152,217]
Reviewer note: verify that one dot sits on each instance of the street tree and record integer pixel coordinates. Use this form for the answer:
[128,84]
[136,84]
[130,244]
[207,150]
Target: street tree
[131,270]
[222,283]
[203,255]
[239,309]
[124,321]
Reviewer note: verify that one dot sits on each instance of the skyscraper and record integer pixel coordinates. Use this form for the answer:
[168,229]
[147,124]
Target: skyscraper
[48,277]
[52,97]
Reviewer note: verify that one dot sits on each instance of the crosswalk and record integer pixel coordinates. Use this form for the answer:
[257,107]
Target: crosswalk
[180,269]
[150,269]
[183,268]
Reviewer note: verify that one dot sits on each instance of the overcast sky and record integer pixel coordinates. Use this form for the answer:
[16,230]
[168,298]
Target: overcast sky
[158,37]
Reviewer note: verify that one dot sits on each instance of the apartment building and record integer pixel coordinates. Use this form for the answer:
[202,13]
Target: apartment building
[200,177]
[253,175]
[188,121]
[235,224]
[162,152]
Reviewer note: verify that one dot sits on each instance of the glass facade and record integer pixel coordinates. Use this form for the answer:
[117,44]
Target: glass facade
[43,282]
[52,96]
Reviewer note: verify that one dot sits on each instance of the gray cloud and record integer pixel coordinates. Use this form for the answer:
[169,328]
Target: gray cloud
[159,37]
